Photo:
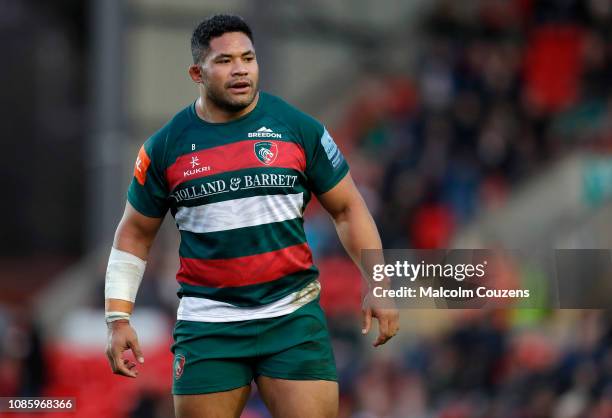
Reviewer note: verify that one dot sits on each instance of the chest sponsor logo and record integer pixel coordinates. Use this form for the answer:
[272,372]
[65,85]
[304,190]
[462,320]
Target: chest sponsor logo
[264,132]
[196,167]
[266,152]
[234,184]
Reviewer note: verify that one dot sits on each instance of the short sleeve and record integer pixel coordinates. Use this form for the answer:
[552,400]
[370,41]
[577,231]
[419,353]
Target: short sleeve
[148,191]
[325,165]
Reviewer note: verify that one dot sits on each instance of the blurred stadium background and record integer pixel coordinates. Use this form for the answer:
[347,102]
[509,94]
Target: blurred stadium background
[466,123]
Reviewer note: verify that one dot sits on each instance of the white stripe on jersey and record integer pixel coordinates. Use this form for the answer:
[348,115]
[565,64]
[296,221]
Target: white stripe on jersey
[240,213]
[207,310]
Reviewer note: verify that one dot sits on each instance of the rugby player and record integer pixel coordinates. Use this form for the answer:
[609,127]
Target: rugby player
[236,169]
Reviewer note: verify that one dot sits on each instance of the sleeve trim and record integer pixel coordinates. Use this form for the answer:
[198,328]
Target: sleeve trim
[334,180]
[140,209]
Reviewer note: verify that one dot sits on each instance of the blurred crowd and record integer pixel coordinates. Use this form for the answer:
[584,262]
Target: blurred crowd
[501,88]
[483,366]
[480,365]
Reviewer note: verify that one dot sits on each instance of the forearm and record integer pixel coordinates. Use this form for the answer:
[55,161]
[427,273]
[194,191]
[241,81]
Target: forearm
[129,241]
[133,239]
[357,230]
[123,276]
[118,305]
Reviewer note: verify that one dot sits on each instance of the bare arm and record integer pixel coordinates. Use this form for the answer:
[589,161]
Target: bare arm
[357,231]
[135,234]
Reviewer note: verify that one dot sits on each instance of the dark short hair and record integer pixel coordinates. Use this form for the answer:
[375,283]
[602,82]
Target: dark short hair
[213,27]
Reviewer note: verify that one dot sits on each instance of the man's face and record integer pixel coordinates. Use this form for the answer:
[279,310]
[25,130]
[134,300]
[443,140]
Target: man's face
[230,72]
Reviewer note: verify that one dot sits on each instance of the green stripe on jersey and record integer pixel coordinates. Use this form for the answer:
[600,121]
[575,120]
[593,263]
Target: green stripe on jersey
[242,242]
[255,294]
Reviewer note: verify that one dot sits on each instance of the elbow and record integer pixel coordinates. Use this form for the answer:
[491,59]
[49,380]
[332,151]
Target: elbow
[129,235]
[347,209]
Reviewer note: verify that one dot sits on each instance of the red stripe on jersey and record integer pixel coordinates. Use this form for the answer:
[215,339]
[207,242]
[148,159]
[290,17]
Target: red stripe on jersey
[231,157]
[242,271]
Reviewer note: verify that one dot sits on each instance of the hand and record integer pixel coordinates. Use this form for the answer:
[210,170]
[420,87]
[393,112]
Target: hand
[388,323]
[122,337]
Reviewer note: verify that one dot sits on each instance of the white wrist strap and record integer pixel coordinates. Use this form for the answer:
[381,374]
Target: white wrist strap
[116,316]
[123,275]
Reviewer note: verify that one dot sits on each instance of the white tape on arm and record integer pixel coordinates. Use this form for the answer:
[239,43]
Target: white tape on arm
[123,275]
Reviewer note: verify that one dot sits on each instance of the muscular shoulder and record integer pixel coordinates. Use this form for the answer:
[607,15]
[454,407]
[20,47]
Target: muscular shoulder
[160,142]
[325,164]
[300,123]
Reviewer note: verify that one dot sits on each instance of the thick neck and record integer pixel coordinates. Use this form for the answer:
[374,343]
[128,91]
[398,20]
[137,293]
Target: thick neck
[211,113]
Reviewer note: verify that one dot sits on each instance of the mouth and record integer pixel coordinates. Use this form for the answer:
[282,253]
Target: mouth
[240,87]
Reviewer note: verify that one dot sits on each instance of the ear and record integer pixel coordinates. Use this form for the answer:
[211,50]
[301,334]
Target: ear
[195,72]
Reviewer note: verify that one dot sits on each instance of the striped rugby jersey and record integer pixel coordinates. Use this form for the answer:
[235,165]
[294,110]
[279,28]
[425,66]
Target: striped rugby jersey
[237,191]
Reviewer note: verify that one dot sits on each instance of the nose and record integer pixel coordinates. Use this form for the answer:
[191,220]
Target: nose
[239,69]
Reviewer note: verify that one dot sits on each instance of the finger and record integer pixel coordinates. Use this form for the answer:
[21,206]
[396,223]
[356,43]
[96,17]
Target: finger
[135,346]
[382,339]
[129,364]
[367,320]
[394,325]
[383,331]
[110,359]
[392,320]
[120,367]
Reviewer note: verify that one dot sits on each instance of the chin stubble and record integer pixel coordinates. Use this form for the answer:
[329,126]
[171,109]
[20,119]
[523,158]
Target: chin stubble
[222,100]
